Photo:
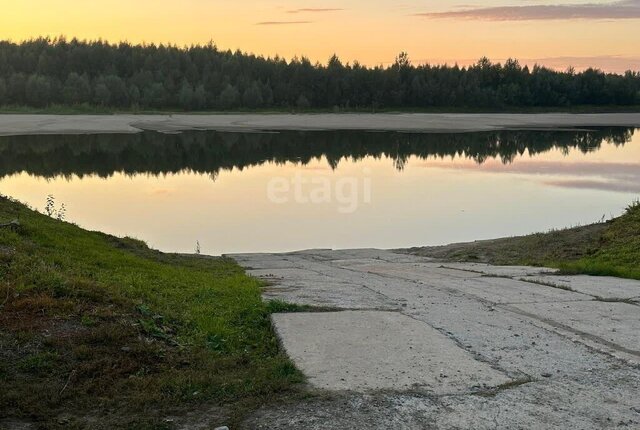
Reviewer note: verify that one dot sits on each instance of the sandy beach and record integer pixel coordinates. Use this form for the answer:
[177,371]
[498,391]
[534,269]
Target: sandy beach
[11,124]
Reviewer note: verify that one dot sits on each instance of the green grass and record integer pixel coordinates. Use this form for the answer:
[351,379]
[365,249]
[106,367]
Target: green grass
[610,248]
[106,331]
[618,253]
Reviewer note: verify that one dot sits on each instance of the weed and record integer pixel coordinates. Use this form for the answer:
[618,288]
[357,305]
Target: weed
[279,306]
[51,211]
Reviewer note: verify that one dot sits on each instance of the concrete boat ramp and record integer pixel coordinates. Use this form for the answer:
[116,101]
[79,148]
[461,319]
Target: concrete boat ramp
[405,342]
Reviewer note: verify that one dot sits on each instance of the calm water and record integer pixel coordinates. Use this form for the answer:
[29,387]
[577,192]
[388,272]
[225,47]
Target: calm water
[251,192]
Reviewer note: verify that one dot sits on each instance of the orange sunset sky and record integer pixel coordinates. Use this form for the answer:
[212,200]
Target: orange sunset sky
[604,34]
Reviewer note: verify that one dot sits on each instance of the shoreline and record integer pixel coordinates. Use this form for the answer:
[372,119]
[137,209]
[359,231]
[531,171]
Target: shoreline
[31,124]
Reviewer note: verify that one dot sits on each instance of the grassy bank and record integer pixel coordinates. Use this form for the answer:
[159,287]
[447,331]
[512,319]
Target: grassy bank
[607,249]
[102,332]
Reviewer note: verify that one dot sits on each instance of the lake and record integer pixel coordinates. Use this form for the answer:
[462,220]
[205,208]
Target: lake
[251,192]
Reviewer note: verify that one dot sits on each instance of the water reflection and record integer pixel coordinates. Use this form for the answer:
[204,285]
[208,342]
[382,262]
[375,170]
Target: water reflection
[211,152]
[213,188]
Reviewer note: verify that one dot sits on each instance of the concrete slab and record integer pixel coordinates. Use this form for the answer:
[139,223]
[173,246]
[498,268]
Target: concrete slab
[414,271]
[596,286]
[364,350]
[486,287]
[510,341]
[613,325]
[508,271]
[506,290]
[328,294]
[378,255]
[550,403]
[569,357]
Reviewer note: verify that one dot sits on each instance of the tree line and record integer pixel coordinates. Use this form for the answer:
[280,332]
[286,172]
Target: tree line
[44,72]
[209,152]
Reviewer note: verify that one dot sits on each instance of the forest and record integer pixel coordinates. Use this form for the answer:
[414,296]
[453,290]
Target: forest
[44,72]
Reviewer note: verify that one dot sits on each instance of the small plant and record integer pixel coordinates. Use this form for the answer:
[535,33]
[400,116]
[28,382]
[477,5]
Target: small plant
[635,205]
[51,211]
[62,212]
[87,321]
[50,207]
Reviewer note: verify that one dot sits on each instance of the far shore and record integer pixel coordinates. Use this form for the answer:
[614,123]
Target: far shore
[26,124]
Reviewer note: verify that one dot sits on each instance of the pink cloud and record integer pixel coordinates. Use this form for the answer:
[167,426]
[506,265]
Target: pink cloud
[624,9]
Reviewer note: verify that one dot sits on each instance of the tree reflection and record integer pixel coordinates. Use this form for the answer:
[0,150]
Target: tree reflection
[209,152]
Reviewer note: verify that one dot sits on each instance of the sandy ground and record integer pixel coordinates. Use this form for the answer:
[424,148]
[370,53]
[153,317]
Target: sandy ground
[415,343]
[81,124]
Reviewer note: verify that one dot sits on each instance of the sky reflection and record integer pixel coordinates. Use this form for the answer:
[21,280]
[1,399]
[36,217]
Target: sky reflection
[432,199]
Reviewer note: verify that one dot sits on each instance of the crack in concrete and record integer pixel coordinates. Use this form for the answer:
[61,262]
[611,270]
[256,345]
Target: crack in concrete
[552,370]
[504,306]
[579,333]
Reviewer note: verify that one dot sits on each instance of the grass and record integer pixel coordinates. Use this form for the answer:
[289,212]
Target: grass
[102,332]
[610,248]
[618,253]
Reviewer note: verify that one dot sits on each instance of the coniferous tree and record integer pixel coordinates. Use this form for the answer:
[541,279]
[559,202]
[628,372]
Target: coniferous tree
[42,72]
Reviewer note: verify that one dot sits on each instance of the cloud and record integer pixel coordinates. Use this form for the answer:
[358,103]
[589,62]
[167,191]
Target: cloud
[623,9]
[609,63]
[314,10]
[283,22]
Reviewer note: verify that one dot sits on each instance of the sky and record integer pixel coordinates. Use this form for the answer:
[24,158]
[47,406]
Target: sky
[577,33]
